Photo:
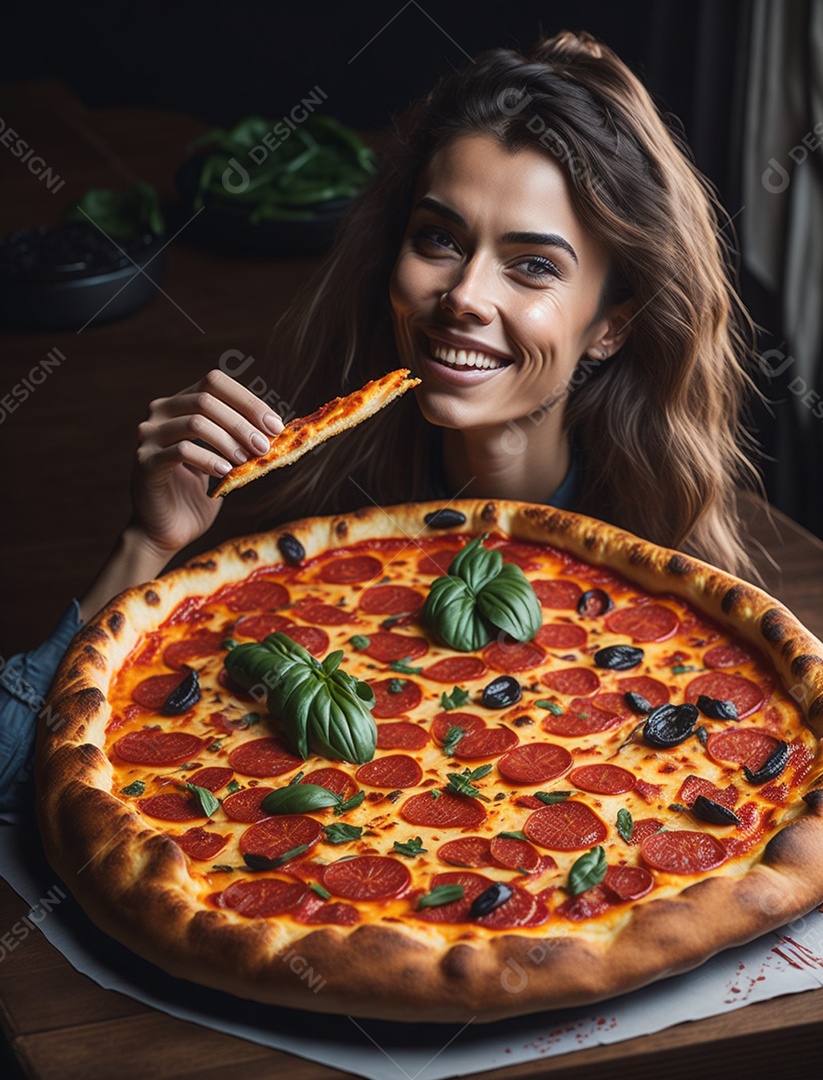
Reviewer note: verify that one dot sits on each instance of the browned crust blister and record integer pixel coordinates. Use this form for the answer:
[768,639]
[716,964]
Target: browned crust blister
[134,881]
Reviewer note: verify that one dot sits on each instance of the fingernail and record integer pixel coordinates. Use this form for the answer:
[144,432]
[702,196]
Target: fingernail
[241,456]
[222,467]
[273,423]
[260,443]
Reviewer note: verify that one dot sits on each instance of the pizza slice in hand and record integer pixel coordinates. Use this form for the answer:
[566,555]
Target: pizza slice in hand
[305,432]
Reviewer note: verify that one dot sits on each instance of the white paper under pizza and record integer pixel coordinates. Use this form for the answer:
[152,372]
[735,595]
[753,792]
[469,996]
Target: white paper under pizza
[787,961]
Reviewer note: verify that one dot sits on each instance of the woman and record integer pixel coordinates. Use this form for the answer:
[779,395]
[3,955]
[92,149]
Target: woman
[539,249]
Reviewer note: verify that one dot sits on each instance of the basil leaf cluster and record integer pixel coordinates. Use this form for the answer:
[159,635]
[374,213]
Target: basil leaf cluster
[324,709]
[480,596]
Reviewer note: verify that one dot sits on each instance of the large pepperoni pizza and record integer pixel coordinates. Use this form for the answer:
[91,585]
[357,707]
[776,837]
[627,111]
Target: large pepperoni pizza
[536,823]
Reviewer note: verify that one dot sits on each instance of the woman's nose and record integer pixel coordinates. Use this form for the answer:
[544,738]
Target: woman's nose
[470,293]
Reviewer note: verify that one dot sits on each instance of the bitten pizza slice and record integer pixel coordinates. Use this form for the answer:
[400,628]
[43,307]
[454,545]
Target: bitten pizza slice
[305,432]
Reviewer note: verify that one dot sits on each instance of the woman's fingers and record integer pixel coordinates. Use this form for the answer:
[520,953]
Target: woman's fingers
[158,461]
[198,427]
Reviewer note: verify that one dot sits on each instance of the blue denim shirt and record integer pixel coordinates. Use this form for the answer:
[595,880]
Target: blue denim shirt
[25,679]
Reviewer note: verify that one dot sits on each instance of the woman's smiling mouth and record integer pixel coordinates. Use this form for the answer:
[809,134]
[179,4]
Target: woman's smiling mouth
[470,363]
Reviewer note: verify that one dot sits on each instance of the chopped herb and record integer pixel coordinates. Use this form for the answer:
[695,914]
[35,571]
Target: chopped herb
[552,706]
[215,746]
[338,833]
[681,669]
[410,847]
[229,644]
[441,894]
[461,783]
[550,797]
[297,778]
[189,765]
[351,803]
[324,894]
[249,719]
[223,869]
[206,799]
[404,667]
[625,825]
[262,862]
[435,793]
[587,871]
[360,641]
[679,808]
[136,787]
[392,620]
[515,835]
[396,685]
[455,699]
[453,737]
[233,786]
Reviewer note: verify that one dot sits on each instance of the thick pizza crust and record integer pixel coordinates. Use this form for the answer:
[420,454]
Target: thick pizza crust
[134,883]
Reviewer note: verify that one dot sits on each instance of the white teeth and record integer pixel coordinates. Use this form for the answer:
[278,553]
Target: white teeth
[465,358]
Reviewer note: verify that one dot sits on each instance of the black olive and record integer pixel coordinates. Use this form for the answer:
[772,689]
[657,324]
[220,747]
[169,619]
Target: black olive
[291,549]
[771,768]
[183,696]
[669,725]
[716,709]
[492,898]
[444,519]
[259,862]
[637,703]
[593,603]
[618,657]
[502,692]
[708,810]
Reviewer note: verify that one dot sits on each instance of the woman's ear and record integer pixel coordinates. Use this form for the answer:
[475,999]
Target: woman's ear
[618,322]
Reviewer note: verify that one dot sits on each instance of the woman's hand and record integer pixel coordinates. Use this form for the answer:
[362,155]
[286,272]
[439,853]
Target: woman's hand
[171,471]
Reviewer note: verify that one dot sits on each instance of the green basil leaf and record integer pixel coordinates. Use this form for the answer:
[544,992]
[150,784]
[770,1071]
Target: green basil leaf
[228,643]
[461,783]
[300,799]
[509,602]
[263,862]
[451,611]
[551,706]
[207,800]
[411,847]
[340,833]
[440,894]
[249,719]
[136,787]
[453,737]
[550,797]
[458,697]
[396,685]
[297,778]
[625,825]
[404,667]
[515,835]
[360,641]
[587,871]
[475,564]
[479,772]
[324,894]
[232,787]
[350,804]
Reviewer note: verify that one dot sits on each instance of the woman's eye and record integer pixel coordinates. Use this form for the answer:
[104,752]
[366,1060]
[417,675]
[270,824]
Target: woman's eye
[537,267]
[432,236]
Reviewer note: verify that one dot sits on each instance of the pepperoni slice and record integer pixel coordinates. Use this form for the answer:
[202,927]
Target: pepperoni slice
[581,717]
[312,638]
[152,747]
[401,736]
[436,563]
[535,763]
[513,656]
[644,622]
[602,779]
[200,844]
[612,703]
[322,614]
[559,594]
[388,703]
[648,792]
[446,720]
[367,877]
[178,654]
[721,656]
[654,691]
[390,600]
[277,835]
[152,692]
[644,827]
[490,742]
[171,806]
[746,695]
[523,555]
[456,669]
[335,780]
[392,772]
[741,746]
[574,681]
[335,914]
[351,569]
[469,851]
[682,851]
[245,805]
[561,636]
[693,786]
[386,645]
[456,911]
[260,595]
[566,826]
[588,905]
[514,854]
[263,897]
[263,757]
[447,811]
[213,777]
[260,626]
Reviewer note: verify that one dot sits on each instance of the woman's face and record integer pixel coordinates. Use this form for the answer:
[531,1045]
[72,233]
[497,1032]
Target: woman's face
[496,285]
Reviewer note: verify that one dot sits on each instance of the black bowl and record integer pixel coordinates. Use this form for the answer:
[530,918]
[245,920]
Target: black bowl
[71,275]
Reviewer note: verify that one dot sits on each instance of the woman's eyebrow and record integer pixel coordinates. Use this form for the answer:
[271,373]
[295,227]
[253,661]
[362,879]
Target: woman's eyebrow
[539,239]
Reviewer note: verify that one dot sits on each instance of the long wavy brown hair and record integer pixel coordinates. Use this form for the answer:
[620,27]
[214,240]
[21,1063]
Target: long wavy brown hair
[658,424]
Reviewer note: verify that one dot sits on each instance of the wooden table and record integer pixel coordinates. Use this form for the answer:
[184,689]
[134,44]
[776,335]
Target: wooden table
[73,443]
